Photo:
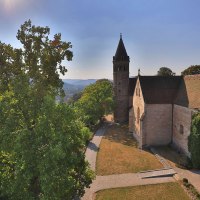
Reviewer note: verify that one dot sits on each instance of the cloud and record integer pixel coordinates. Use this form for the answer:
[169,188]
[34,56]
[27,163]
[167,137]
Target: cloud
[13,6]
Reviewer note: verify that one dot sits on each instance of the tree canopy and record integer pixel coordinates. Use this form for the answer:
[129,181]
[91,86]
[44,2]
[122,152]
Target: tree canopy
[165,71]
[41,142]
[193,69]
[96,101]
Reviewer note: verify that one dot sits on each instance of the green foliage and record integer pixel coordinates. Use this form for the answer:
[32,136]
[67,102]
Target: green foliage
[164,71]
[41,143]
[41,58]
[193,69]
[185,180]
[6,173]
[75,98]
[49,152]
[194,140]
[95,102]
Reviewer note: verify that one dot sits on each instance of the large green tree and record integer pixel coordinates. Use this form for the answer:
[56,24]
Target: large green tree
[42,141]
[165,71]
[96,101]
[194,140]
[193,69]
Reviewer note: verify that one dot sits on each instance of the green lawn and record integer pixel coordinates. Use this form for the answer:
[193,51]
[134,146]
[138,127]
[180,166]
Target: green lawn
[165,191]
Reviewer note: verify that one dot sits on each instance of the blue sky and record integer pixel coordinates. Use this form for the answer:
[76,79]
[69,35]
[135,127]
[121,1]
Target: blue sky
[156,33]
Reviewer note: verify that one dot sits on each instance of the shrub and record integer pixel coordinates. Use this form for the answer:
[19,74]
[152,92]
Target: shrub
[191,189]
[194,140]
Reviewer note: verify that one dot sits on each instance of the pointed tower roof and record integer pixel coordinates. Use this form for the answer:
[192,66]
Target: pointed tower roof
[121,51]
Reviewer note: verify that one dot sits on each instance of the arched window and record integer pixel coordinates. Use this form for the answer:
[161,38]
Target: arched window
[138,91]
[181,129]
[138,115]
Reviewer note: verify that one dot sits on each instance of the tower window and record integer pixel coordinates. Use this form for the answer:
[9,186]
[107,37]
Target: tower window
[119,83]
[138,91]
[181,129]
[124,68]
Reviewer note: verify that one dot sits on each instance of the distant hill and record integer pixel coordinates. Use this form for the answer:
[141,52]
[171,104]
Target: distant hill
[80,82]
[73,86]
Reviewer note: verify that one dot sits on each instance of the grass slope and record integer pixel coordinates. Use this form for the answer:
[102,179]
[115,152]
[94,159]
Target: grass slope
[119,154]
[165,191]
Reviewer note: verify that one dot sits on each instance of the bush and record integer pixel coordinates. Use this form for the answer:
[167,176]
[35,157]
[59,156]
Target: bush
[191,189]
[185,180]
[194,140]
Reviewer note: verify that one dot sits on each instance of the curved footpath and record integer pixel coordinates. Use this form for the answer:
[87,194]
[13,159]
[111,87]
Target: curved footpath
[120,180]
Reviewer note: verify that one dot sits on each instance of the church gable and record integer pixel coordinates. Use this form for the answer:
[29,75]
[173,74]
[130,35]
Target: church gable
[138,93]
[138,107]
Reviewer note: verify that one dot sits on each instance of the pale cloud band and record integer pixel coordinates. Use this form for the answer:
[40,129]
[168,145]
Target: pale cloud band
[10,6]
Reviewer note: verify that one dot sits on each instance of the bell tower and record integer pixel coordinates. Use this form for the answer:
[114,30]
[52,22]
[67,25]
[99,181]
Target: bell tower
[121,83]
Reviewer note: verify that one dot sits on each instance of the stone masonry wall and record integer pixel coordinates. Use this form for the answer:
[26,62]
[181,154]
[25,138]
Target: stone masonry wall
[181,128]
[157,124]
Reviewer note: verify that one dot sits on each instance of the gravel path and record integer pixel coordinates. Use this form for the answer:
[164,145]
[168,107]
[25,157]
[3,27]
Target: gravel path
[93,147]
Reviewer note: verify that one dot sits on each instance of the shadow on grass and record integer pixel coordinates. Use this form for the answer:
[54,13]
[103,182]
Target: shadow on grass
[175,158]
[120,134]
[93,147]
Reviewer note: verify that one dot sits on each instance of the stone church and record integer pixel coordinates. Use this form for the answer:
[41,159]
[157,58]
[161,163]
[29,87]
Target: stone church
[159,109]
